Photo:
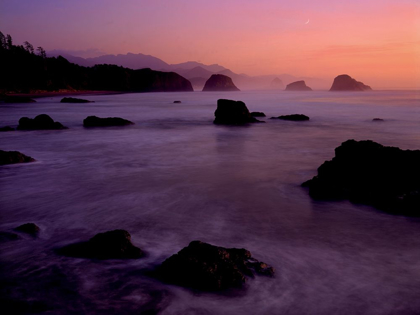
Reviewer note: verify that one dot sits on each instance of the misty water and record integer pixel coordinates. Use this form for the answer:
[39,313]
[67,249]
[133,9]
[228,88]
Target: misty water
[174,177]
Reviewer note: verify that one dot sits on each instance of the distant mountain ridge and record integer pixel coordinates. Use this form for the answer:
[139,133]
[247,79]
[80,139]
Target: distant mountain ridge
[198,73]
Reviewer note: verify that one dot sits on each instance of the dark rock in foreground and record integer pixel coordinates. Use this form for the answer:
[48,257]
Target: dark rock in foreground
[298,86]
[93,121]
[345,82]
[7,128]
[210,268]
[12,157]
[219,82]
[74,100]
[16,99]
[257,114]
[114,244]
[369,173]
[294,117]
[29,228]
[230,112]
[377,119]
[177,102]
[40,122]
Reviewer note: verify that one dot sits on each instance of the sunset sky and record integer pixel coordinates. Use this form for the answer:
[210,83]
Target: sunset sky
[375,41]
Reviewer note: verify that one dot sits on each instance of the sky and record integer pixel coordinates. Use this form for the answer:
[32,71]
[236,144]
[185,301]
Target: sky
[374,41]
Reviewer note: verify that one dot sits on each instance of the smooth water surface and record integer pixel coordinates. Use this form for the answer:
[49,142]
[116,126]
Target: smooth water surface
[174,177]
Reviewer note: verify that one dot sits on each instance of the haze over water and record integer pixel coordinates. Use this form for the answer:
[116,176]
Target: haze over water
[174,177]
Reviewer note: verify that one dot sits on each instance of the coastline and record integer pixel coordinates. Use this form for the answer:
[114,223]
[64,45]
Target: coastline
[39,94]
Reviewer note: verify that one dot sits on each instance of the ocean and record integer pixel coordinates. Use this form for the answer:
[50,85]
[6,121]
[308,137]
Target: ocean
[175,177]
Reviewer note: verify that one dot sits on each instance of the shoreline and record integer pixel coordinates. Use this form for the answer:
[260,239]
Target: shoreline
[39,94]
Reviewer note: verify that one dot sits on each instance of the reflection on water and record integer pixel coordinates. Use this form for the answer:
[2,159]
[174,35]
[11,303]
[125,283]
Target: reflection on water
[174,177]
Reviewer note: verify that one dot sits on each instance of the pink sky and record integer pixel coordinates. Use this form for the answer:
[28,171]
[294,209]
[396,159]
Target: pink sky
[375,41]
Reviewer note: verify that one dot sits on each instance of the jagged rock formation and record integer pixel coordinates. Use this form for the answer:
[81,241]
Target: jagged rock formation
[219,82]
[298,86]
[211,268]
[369,173]
[230,112]
[40,122]
[93,121]
[346,83]
[114,244]
[12,157]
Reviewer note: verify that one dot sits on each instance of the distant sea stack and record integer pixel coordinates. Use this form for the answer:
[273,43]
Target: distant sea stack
[345,82]
[298,86]
[219,82]
[277,84]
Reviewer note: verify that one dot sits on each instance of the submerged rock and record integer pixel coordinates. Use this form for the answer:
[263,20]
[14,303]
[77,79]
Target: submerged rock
[345,82]
[40,122]
[377,119]
[93,121]
[8,236]
[211,268]
[177,102]
[369,173]
[114,244]
[298,86]
[12,157]
[293,117]
[7,128]
[74,100]
[219,82]
[29,228]
[230,112]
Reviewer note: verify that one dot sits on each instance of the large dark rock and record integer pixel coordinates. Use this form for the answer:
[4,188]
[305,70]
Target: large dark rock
[293,117]
[257,114]
[345,82]
[28,228]
[7,128]
[114,244]
[369,173]
[12,157]
[298,86]
[219,82]
[93,121]
[16,99]
[211,268]
[40,122]
[74,100]
[230,112]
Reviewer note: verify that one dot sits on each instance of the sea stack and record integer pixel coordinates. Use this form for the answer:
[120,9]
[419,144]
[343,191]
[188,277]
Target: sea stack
[230,112]
[345,82]
[277,84]
[219,82]
[298,86]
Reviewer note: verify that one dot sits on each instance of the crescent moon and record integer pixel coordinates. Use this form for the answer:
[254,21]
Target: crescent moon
[307,22]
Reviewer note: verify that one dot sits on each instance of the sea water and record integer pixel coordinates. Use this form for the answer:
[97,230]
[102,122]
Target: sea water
[175,177]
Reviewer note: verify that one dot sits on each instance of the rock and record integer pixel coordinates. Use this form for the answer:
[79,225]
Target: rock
[40,122]
[7,128]
[7,236]
[298,86]
[377,119]
[211,268]
[74,100]
[257,114]
[346,83]
[230,112]
[277,84]
[12,157]
[294,117]
[114,244]
[177,102]
[219,82]
[93,121]
[29,228]
[369,173]
[16,99]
